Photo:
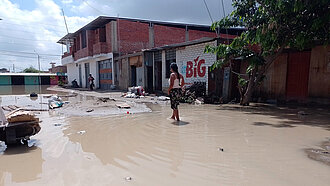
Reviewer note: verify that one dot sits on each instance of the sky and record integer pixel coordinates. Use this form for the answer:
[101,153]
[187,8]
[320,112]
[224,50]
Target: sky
[32,27]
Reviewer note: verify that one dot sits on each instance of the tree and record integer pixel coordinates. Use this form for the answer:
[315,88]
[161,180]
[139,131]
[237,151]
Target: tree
[31,70]
[270,26]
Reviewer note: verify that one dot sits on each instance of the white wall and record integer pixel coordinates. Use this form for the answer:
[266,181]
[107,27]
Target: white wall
[189,54]
[139,76]
[72,72]
[73,69]
[164,79]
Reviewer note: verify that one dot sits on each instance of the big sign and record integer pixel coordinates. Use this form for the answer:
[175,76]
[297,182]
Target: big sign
[195,68]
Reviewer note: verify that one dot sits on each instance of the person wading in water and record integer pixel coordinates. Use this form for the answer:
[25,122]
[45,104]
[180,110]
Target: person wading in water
[176,82]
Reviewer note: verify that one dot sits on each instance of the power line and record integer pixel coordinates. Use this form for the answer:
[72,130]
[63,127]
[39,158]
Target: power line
[18,56]
[22,44]
[224,15]
[31,26]
[6,36]
[207,8]
[29,53]
[93,7]
[25,31]
[22,56]
[38,23]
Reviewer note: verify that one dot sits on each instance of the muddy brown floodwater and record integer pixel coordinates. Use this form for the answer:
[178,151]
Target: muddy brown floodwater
[263,146]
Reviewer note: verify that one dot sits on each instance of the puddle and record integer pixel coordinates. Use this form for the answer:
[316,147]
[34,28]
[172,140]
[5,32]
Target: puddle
[208,147]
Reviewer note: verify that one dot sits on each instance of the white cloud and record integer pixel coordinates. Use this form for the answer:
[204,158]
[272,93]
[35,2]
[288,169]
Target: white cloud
[40,27]
[35,30]
[67,1]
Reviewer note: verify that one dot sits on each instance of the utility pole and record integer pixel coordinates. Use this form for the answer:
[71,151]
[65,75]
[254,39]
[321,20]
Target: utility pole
[14,68]
[39,80]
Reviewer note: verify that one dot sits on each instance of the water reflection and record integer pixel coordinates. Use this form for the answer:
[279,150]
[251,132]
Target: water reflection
[23,89]
[21,162]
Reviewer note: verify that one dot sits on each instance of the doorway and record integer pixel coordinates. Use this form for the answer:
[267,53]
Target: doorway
[133,76]
[80,75]
[298,75]
[158,76]
[87,72]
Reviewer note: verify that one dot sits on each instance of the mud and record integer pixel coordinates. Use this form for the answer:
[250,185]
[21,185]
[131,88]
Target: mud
[212,145]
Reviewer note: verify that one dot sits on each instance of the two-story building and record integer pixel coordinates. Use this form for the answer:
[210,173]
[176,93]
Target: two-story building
[94,47]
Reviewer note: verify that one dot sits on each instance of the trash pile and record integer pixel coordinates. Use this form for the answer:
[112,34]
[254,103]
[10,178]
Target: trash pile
[55,102]
[196,90]
[18,126]
[135,92]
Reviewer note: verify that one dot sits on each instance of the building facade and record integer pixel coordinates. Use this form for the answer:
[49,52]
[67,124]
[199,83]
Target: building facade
[298,75]
[98,47]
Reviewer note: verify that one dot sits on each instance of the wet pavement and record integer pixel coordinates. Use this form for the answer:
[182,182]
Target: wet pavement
[212,145]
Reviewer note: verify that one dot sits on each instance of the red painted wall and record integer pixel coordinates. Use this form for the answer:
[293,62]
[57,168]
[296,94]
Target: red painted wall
[165,35]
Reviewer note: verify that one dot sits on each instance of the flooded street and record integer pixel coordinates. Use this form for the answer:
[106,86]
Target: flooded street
[212,145]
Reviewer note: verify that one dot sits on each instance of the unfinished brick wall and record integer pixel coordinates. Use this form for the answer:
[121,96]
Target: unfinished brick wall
[165,35]
[90,41]
[197,34]
[132,36]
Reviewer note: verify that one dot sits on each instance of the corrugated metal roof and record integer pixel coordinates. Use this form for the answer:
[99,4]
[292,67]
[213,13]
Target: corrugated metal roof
[187,43]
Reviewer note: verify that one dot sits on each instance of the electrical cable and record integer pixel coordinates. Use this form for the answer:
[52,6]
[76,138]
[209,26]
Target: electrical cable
[29,53]
[93,7]
[207,8]
[6,36]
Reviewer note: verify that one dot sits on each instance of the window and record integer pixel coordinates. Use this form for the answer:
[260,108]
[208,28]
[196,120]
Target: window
[170,57]
[83,39]
[158,56]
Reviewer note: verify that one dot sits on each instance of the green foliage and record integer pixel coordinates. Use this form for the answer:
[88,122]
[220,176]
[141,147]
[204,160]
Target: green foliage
[242,82]
[271,25]
[30,70]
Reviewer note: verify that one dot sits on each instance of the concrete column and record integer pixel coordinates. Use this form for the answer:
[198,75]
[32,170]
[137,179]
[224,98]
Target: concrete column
[151,35]
[164,84]
[187,34]
[114,36]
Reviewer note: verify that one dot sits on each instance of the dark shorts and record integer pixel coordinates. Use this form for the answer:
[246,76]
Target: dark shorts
[175,95]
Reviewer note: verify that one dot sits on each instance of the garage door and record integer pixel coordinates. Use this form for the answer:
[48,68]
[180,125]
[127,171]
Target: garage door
[105,73]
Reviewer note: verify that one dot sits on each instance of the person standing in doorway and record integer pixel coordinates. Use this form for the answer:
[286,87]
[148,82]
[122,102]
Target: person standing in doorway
[176,82]
[91,82]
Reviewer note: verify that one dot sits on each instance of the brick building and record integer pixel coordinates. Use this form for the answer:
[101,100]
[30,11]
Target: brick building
[98,47]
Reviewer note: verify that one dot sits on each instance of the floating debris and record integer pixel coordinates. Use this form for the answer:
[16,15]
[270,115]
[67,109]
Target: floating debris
[163,98]
[128,178]
[90,110]
[220,149]
[57,125]
[81,132]
[123,105]
[33,94]
[55,102]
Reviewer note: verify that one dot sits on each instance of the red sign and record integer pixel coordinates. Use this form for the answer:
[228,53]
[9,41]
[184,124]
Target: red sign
[194,69]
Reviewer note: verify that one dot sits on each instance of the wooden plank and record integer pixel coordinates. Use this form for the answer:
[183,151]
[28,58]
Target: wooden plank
[123,105]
